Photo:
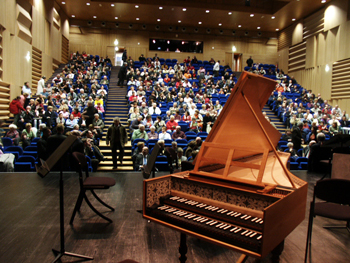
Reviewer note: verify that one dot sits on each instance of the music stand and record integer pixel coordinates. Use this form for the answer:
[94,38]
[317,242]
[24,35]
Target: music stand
[42,171]
[150,167]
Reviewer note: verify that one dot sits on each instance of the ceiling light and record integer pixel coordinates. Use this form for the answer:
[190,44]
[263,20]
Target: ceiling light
[94,16]
[179,21]
[137,18]
[239,25]
[73,15]
[63,3]
[258,27]
[229,13]
[199,23]
[87,3]
[212,47]
[272,17]
[116,17]
[184,9]
[220,24]
[277,29]
[136,6]
[138,43]
[158,20]
[207,11]
[323,1]
[160,7]
[251,15]
[293,19]
[112,4]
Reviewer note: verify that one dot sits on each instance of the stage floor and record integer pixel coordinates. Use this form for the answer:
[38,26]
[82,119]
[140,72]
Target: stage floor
[29,226]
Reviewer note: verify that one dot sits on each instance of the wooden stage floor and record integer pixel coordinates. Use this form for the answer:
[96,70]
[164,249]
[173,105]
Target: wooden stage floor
[29,226]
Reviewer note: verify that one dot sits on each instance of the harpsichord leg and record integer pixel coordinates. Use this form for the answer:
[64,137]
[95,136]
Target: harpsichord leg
[183,248]
[275,257]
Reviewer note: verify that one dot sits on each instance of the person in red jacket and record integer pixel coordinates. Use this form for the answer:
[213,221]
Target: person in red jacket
[171,125]
[16,108]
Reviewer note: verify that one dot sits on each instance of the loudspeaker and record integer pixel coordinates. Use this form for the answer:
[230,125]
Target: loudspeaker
[130,26]
[233,32]
[221,31]
[259,34]
[144,26]
[246,33]
[116,25]
[103,23]
[196,30]
[183,29]
[89,23]
[157,27]
[208,31]
[170,28]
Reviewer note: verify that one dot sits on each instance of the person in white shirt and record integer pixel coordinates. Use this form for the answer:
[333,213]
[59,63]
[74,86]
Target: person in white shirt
[27,89]
[57,79]
[102,89]
[41,85]
[132,89]
[216,68]
[164,135]
[154,109]
[186,84]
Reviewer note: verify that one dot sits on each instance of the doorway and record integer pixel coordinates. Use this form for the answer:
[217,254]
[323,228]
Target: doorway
[234,60]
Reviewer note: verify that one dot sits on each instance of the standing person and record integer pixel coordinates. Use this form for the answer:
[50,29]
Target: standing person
[16,108]
[116,135]
[89,113]
[122,75]
[124,56]
[250,62]
[297,136]
[26,89]
[216,68]
[41,85]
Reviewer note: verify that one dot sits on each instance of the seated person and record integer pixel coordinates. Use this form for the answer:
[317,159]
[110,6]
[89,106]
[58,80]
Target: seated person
[159,124]
[148,123]
[164,135]
[178,134]
[137,150]
[141,159]
[171,124]
[140,133]
[152,134]
[98,124]
[135,124]
[71,122]
[13,134]
[292,151]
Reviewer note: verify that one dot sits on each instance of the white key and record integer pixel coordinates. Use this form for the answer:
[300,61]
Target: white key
[204,220]
[183,213]
[208,223]
[234,214]
[174,198]
[186,216]
[208,207]
[213,223]
[227,227]
[190,217]
[220,210]
[223,226]
[233,229]
[229,213]
[238,215]
[242,217]
[248,233]
[215,208]
[239,229]
[255,218]
[259,237]
[219,225]
[244,232]
[258,220]
[224,211]
[252,235]
[262,221]
[247,217]
[195,219]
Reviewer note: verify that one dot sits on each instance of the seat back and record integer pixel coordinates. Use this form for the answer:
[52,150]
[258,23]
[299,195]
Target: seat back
[333,190]
[341,166]
[6,142]
[81,164]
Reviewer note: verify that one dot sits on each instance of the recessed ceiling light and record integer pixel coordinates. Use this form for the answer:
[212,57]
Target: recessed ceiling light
[239,25]
[199,23]
[63,3]
[293,19]
[116,17]
[277,29]
[87,3]
[136,6]
[323,1]
[184,9]
[272,17]
[112,4]
[179,21]
[137,18]
[160,7]
[73,15]
[138,43]
[158,20]
[94,16]
[207,11]
[229,13]
[258,27]
[220,24]
[251,15]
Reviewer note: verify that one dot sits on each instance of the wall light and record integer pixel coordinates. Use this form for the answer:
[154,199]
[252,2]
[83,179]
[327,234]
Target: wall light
[28,56]
[116,42]
[327,68]
[234,49]
[116,48]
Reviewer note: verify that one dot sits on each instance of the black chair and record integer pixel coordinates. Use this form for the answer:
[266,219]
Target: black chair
[335,196]
[90,184]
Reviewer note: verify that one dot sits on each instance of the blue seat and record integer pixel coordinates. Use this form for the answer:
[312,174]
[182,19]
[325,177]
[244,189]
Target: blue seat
[35,141]
[31,150]
[7,142]
[25,163]
[162,163]
[16,150]
[168,143]
[134,143]
[181,143]
[302,163]
[202,135]
[151,143]
[190,135]
[184,126]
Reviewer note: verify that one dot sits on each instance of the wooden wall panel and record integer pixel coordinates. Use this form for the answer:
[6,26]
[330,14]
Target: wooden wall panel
[38,30]
[297,57]
[4,100]
[311,48]
[65,50]
[314,24]
[283,56]
[335,14]
[341,80]
[344,41]
[1,52]
[36,68]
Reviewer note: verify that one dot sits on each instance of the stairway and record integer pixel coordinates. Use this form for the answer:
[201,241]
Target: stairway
[273,118]
[116,107]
